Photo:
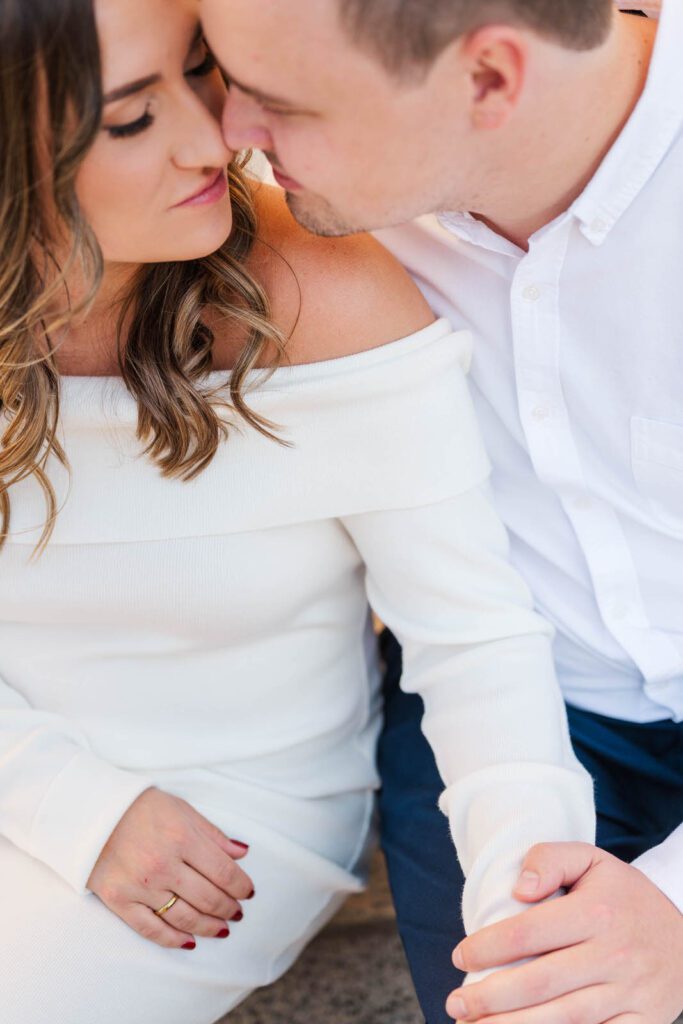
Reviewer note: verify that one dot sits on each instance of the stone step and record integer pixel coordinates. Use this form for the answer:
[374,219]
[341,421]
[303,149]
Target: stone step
[354,972]
[348,975]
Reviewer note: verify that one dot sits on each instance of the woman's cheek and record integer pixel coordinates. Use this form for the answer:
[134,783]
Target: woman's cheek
[118,198]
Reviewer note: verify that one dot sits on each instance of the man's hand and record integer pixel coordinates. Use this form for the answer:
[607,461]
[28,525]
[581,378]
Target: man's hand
[611,949]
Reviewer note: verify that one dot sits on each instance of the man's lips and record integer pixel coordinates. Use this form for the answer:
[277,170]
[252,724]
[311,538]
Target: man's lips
[210,192]
[289,184]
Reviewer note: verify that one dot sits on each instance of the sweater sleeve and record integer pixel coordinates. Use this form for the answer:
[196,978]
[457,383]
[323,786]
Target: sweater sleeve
[473,648]
[59,802]
[663,865]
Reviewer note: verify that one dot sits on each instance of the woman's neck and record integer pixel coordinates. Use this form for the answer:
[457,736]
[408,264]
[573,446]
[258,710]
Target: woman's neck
[88,347]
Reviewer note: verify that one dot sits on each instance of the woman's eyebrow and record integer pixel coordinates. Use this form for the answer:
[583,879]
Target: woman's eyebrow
[144,83]
[132,88]
[257,94]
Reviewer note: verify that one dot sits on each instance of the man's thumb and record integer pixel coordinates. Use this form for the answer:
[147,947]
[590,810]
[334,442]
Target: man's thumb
[552,866]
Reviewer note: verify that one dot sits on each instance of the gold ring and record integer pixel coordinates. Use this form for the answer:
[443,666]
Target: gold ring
[167,906]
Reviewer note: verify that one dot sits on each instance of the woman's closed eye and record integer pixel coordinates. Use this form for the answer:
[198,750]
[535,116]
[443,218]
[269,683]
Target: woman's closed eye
[127,131]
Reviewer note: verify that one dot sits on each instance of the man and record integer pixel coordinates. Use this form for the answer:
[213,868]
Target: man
[548,135]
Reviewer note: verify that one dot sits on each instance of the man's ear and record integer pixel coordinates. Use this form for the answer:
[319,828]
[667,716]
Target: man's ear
[496,59]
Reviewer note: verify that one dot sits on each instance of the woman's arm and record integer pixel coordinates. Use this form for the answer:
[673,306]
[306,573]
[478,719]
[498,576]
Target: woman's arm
[109,831]
[481,659]
[58,800]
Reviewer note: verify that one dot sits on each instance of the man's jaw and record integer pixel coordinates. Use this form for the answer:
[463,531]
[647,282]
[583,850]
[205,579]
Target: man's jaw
[318,216]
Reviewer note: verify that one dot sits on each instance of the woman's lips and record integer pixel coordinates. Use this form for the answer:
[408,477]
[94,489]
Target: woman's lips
[288,184]
[210,193]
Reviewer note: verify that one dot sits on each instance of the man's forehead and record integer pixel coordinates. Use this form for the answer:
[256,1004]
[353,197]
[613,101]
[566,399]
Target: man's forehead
[271,21]
[279,47]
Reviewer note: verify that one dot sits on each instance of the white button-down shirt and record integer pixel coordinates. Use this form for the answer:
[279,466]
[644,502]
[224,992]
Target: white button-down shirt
[578,380]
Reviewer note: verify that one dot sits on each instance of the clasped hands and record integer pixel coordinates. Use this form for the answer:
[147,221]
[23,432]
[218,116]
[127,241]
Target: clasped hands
[609,950]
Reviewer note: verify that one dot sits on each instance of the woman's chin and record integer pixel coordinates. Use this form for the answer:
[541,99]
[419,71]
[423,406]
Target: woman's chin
[195,246]
[200,234]
[202,241]
[198,252]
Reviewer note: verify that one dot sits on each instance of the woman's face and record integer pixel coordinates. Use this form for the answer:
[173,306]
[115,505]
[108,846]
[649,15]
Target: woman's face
[154,186]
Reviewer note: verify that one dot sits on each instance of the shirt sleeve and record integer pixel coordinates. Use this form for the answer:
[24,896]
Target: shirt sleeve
[481,659]
[59,802]
[663,865]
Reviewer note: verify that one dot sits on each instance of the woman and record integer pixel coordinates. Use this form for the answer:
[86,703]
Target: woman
[212,444]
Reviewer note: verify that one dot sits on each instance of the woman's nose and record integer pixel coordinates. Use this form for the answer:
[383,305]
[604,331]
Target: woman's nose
[200,139]
[243,123]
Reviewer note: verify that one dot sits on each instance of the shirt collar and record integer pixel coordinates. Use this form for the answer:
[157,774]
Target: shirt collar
[647,136]
[471,229]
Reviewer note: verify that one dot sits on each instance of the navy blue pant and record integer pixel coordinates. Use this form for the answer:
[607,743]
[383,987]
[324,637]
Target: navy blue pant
[638,771]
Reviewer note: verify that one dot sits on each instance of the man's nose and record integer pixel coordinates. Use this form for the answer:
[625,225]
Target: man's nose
[243,123]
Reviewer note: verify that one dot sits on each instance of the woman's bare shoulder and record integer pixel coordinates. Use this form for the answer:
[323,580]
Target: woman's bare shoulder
[335,296]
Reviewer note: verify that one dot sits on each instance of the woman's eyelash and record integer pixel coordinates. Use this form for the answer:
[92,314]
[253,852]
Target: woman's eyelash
[208,65]
[125,131]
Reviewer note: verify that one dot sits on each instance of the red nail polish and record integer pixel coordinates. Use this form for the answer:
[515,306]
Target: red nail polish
[242,846]
[223,933]
[251,895]
[238,916]
[190,945]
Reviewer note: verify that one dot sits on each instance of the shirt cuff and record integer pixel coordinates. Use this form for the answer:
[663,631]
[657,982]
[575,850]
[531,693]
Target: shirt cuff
[79,812]
[663,865]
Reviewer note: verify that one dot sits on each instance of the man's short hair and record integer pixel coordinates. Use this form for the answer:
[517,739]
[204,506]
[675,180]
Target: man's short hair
[410,34]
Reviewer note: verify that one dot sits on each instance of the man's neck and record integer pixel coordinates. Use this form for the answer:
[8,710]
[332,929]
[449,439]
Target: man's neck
[591,120]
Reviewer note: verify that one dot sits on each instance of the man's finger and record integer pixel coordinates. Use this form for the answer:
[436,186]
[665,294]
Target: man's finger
[552,866]
[595,1005]
[539,930]
[531,984]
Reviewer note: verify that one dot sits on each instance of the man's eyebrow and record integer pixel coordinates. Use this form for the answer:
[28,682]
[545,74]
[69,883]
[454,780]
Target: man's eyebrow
[132,88]
[256,94]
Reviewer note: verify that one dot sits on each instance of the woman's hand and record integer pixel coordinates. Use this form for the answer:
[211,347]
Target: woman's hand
[162,847]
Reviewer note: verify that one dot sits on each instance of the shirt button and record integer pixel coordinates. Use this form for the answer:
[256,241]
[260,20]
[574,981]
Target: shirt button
[541,412]
[584,504]
[599,226]
[531,293]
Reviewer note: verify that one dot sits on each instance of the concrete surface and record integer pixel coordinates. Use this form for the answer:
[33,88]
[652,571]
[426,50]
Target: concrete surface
[354,972]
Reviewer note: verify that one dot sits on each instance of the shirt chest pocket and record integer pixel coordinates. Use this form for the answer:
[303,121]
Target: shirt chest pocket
[657,459]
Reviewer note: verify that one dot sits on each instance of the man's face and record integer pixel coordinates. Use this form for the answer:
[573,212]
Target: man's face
[354,147]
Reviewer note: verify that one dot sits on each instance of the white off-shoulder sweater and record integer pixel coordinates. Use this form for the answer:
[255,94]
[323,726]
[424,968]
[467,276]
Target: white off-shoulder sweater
[175,633]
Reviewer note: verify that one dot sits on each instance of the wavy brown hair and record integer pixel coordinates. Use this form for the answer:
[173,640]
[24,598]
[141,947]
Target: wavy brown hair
[50,75]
